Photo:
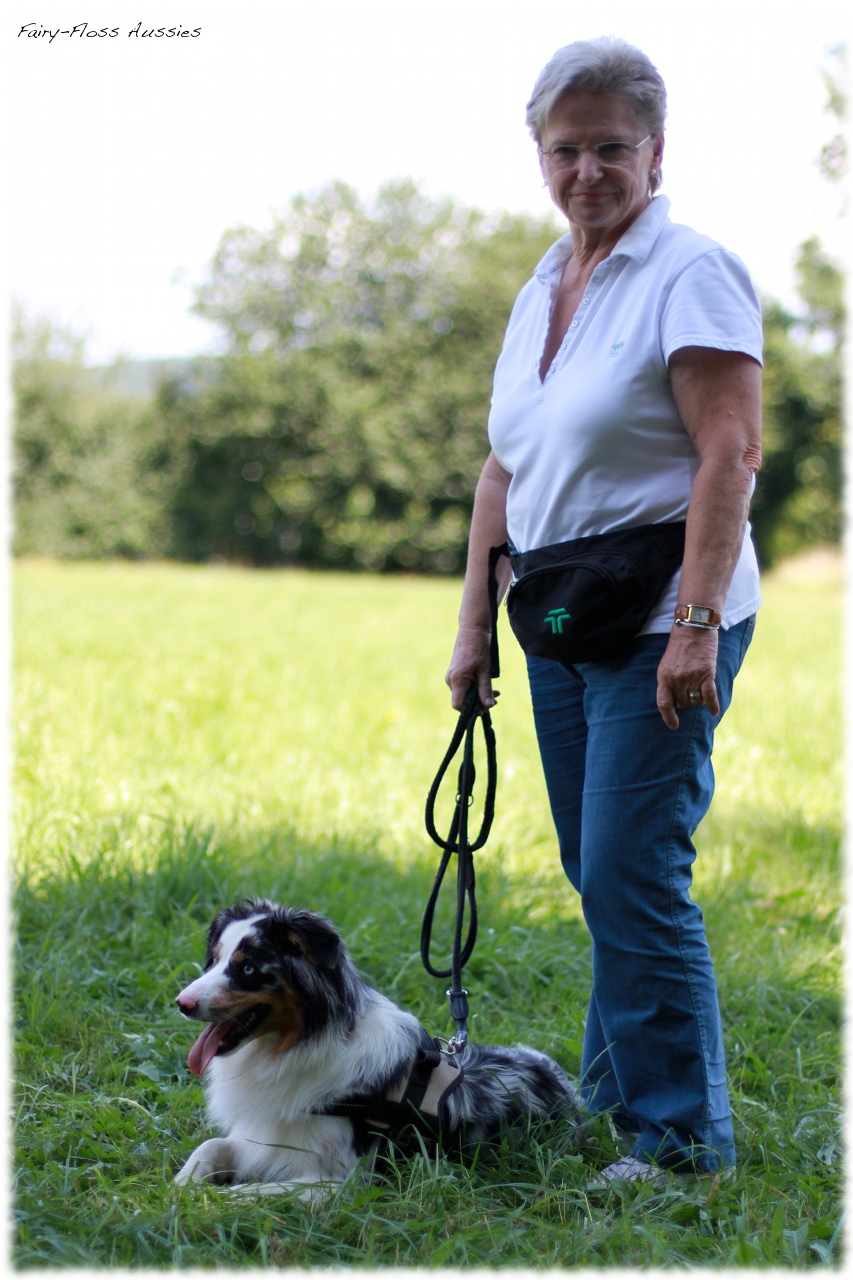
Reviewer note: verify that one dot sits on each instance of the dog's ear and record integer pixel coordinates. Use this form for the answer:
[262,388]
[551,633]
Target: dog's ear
[242,909]
[301,933]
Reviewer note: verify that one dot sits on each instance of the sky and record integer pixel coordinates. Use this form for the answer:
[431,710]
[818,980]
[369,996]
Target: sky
[130,156]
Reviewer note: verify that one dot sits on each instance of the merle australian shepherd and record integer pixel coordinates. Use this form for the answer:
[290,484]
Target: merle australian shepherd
[308,1069]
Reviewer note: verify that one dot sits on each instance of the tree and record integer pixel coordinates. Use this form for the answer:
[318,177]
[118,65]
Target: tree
[89,463]
[348,423]
[833,156]
[799,497]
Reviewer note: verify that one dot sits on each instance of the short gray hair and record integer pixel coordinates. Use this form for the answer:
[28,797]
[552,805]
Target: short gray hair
[605,65]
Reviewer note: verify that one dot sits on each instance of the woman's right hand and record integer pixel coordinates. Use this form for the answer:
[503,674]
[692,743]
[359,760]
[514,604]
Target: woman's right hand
[471,664]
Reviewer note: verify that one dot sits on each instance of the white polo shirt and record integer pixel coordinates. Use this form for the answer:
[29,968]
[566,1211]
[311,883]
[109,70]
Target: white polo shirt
[600,445]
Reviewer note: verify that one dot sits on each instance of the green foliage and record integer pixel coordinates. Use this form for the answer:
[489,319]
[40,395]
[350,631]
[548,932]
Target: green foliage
[348,423]
[833,156]
[345,425]
[159,774]
[799,498]
[92,466]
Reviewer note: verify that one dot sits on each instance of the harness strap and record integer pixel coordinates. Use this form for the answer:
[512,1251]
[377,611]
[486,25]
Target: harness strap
[412,1094]
[418,1101]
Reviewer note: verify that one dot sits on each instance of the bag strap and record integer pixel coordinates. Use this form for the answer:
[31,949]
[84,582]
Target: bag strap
[495,554]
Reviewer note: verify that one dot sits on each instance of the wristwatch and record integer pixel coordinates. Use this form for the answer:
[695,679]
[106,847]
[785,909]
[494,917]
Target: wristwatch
[698,615]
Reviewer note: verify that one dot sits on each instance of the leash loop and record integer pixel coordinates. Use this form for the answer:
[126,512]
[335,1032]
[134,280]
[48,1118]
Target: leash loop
[459,843]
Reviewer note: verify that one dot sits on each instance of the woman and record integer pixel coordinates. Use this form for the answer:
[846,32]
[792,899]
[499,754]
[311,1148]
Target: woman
[628,392]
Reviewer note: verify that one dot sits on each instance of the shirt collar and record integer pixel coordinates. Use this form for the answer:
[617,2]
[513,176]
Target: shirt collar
[637,242]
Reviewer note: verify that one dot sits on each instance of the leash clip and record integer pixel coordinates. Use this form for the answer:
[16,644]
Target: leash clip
[459,1013]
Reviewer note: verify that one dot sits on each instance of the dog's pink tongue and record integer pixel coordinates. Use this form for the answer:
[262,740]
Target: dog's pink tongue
[205,1048]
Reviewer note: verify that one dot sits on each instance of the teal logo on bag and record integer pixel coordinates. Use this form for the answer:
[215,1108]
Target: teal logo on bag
[556,617]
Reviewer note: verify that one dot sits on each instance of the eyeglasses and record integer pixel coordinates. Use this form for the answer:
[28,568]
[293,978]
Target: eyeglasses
[566,156]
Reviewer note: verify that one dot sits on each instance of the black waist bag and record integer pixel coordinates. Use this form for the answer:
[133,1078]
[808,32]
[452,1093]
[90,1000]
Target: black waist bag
[583,600]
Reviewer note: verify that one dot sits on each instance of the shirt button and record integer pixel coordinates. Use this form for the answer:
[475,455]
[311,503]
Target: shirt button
[586,302]
[574,324]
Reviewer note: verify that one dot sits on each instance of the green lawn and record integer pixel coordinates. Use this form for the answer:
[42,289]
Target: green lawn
[187,734]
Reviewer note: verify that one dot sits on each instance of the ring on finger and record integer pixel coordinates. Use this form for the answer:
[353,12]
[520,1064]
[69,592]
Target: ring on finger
[694,697]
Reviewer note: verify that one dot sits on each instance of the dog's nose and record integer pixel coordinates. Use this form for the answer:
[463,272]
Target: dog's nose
[185,1004]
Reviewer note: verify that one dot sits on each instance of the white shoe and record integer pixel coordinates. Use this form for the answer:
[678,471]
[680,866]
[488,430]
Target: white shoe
[630,1169]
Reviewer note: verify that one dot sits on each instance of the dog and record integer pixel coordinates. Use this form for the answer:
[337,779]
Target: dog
[309,1070]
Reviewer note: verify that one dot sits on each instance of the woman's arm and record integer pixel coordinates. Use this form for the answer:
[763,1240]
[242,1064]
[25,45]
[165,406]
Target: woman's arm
[470,663]
[718,394]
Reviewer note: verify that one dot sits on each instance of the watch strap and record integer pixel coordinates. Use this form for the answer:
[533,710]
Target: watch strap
[698,614]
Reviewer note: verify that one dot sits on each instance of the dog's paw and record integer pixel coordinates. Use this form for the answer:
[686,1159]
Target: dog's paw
[214,1161]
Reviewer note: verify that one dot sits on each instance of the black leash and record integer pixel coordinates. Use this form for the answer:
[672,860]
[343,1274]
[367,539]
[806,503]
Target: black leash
[458,842]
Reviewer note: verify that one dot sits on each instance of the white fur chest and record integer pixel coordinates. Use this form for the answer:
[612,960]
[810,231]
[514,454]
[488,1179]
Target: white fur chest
[256,1087]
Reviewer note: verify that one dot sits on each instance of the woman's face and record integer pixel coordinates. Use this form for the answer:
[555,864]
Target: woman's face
[594,195]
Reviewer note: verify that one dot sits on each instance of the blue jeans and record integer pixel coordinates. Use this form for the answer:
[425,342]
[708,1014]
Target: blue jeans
[627,794]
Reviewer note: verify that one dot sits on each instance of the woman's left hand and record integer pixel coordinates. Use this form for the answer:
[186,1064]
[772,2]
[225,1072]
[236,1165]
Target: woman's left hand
[688,667]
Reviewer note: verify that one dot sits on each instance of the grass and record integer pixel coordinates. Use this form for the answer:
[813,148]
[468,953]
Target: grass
[187,734]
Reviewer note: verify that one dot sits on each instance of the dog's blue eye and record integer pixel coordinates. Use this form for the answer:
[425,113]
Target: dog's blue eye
[248,970]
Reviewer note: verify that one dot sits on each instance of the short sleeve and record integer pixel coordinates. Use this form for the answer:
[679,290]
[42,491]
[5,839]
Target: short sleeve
[712,303]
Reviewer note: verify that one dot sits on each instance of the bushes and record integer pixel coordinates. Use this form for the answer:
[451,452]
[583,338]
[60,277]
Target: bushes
[92,464]
[346,424]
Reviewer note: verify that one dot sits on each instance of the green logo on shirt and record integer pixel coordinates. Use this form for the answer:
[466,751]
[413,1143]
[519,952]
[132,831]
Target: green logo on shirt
[556,617]
[616,349]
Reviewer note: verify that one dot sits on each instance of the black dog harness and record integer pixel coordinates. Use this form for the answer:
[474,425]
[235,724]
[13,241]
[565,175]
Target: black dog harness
[414,1105]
